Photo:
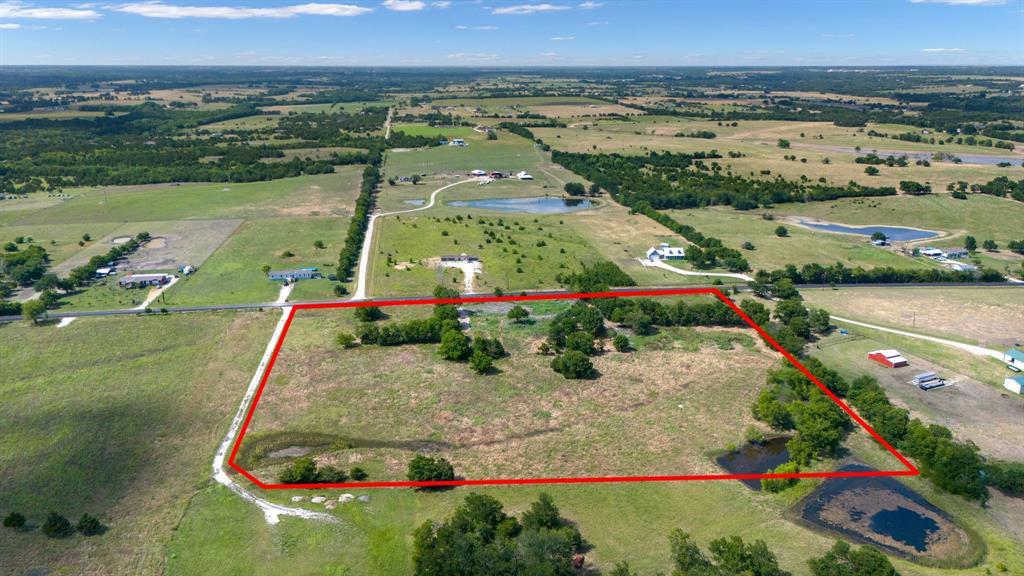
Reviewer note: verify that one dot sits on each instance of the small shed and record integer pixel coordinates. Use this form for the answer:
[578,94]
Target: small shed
[478,172]
[888,358]
[1014,384]
[1014,358]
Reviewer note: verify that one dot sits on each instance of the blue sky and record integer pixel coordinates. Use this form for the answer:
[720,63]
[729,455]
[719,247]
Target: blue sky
[513,33]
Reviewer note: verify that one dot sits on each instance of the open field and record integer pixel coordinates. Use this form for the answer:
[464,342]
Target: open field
[509,153]
[122,423]
[524,421]
[327,194]
[233,274]
[59,240]
[802,246]
[757,139]
[991,317]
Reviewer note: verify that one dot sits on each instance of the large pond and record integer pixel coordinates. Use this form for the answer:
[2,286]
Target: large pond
[535,205]
[755,458]
[885,513]
[986,159]
[893,233]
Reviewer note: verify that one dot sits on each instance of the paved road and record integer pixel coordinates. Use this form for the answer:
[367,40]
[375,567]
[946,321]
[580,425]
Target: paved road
[212,307]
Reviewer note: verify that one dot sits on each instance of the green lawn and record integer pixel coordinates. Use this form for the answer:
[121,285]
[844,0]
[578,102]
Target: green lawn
[59,240]
[120,420]
[509,153]
[233,273]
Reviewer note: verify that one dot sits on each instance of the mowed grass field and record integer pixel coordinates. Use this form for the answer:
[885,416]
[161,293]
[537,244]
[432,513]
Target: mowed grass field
[509,153]
[117,417]
[757,140]
[659,410]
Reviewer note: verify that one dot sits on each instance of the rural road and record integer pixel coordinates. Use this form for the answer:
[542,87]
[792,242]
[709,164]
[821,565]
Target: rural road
[364,254]
[976,350]
[659,264]
[387,124]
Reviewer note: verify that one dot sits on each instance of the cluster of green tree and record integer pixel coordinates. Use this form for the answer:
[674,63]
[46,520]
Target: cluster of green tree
[517,129]
[349,256]
[306,471]
[733,557]
[433,119]
[665,182]
[85,273]
[1016,246]
[1002,187]
[571,336]
[965,140]
[1003,131]
[325,126]
[876,160]
[794,324]
[23,267]
[57,525]
[578,189]
[1007,476]
[597,277]
[481,538]
[791,401]
[705,134]
[642,315]
[839,274]
[417,331]
[953,466]
[427,469]
[399,139]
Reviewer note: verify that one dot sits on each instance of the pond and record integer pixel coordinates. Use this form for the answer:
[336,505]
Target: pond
[535,205]
[893,233]
[415,202]
[986,159]
[755,458]
[883,512]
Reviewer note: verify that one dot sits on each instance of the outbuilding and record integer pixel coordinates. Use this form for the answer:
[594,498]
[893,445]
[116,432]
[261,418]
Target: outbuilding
[889,358]
[1014,358]
[957,253]
[1014,384]
[460,258]
[293,275]
[478,172]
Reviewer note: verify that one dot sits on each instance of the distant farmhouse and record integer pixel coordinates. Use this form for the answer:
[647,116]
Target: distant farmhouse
[524,176]
[461,258]
[666,252]
[458,142]
[143,280]
[889,358]
[293,275]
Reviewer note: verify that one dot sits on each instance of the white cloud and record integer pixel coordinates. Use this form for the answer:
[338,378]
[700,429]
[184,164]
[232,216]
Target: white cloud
[464,27]
[598,23]
[961,2]
[562,38]
[405,5]
[529,9]
[6,26]
[942,49]
[160,10]
[21,10]
[590,5]
[442,4]
[472,56]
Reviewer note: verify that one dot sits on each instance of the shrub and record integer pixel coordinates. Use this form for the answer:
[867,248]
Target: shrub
[454,345]
[358,474]
[14,520]
[621,343]
[369,314]
[781,232]
[89,525]
[517,314]
[480,362]
[346,340]
[57,526]
[427,469]
[582,342]
[573,365]
[780,484]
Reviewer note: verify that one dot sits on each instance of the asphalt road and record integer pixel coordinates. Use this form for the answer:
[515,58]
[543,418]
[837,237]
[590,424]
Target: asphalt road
[212,307]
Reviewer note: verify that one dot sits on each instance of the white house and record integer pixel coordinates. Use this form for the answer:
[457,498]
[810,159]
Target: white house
[666,252]
[932,252]
[1014,358]
[457,142]
[293,275]
[524,176]
[1014,384]
[143,280]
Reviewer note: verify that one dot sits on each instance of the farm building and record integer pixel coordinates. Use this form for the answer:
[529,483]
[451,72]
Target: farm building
[460,258]
[890,358]
[524,176]
[104,272]
[497,175]
[666,252]
[142,280]
[293,275]
[932,252]
[1014,384]
[957,253]
[1014,358]
[961,267]
[458,142]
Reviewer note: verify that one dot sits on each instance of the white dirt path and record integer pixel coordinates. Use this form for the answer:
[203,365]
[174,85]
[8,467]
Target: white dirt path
[970,348]
[660,264]
[364,254]
[155,293]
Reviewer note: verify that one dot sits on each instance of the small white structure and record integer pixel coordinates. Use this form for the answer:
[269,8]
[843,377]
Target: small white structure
[524,176]
[104,272]
[962,267]
[458,142]
[478,172]
[1014,384]
[1014,358]
[666,252]
[293,275]
[932,253]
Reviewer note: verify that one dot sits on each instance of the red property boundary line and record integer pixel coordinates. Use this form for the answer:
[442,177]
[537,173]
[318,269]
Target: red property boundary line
[910,470]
